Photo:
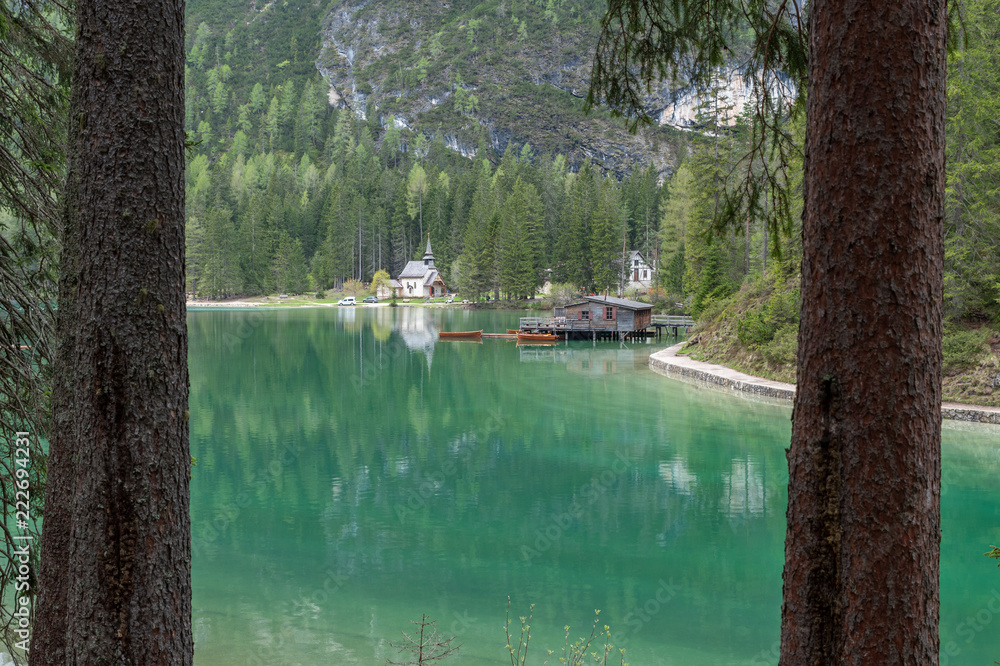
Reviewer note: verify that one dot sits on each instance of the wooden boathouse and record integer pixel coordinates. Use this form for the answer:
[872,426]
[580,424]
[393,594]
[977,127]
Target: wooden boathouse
[595,318]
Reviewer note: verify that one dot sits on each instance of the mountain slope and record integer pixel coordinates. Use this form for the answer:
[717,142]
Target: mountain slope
[482,75]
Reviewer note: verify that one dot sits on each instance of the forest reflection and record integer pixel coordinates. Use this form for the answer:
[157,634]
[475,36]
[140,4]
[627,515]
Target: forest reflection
[351,445]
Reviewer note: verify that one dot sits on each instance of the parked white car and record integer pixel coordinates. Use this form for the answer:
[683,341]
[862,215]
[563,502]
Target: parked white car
[347,300]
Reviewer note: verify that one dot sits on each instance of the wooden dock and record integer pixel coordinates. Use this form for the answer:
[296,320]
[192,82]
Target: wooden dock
[501,336]
[671,322]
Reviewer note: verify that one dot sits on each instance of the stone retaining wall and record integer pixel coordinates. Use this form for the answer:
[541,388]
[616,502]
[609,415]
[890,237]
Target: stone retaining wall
[667,363]
[970,414]
[724,382]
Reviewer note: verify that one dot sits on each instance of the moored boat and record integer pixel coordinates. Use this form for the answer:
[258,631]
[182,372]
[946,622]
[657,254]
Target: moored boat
[539,337]
[461,335]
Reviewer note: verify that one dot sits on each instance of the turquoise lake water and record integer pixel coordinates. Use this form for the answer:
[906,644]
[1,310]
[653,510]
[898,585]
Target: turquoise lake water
[354,473]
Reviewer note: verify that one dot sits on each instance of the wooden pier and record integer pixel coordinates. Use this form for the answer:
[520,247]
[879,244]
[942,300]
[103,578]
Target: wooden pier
[674,323]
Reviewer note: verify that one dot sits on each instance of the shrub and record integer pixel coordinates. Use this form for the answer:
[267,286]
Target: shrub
[427,645]
[783,307]
[783,348]
[754,330]
[596,648]
[354,288]
[964,348]
[760,324]
[712,311]
[708,297]
[562,292]
[320,294]
[633,293]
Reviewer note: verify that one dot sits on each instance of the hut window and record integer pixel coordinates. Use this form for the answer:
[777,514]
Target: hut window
[609,313]
[584,314]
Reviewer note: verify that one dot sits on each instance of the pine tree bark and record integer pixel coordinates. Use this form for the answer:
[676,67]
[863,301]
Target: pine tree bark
[115,583]
[861,552]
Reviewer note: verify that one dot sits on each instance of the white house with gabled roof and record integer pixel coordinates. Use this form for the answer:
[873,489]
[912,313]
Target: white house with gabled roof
[638,272]
[420,279]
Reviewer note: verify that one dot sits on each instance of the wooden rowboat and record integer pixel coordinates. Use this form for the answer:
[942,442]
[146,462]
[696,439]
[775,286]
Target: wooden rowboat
[513,331]
[539,337]
[461,335]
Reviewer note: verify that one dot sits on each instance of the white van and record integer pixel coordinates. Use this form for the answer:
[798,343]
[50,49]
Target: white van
[347,300]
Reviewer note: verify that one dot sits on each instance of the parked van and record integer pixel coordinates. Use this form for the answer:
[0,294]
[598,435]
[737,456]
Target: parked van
[347,300]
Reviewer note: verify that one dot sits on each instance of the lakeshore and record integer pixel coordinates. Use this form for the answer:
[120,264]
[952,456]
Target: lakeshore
[299,302]
[668,362]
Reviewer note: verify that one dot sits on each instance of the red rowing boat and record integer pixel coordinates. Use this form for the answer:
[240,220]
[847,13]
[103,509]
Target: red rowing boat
[539,337]
[461,335]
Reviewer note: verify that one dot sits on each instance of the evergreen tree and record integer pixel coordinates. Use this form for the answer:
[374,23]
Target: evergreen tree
[678,208]
[114,581]
[478,256]
[401,235]
[220,272]
[416,188]
[304,131]
[438,206]
[608,240]
[573,255]
[518,247]
[272,124]
[339,245]
[288,265]
[255,238]
[860,482]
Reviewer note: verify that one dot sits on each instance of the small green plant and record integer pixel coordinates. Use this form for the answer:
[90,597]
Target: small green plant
[517,658]
[575,653]
[427,645]
[320,294]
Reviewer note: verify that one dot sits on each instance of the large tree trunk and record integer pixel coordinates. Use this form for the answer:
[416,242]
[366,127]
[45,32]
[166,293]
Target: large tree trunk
[115,581]
[861,555]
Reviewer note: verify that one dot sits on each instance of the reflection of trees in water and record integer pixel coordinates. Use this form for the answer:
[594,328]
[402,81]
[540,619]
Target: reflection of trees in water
[405,465]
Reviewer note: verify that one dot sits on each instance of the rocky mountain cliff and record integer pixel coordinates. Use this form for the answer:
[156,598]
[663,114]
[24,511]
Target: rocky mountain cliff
[483,75]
